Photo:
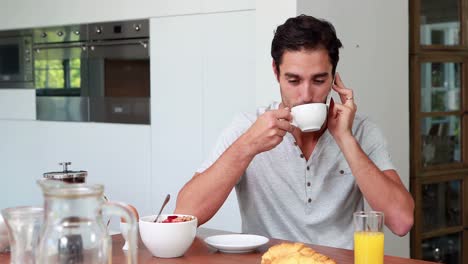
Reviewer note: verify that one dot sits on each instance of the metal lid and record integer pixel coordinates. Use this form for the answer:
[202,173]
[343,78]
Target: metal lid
[65,174]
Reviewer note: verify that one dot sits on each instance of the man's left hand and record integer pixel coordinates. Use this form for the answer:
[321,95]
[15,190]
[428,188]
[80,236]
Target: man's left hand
[341,116]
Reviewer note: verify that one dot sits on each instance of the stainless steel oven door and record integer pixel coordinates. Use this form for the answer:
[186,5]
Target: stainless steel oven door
[16,62]
[119,74]
[61,82]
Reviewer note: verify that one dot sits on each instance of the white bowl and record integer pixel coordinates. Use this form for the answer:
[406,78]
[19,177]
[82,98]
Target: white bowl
[167,240]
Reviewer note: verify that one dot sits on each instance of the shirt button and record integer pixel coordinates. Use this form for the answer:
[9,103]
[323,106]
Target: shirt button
[341,171]
[302,155]
[308,168]
[308,184]
[310,200]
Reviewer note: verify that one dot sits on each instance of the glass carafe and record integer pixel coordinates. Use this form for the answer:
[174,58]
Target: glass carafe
[74,231]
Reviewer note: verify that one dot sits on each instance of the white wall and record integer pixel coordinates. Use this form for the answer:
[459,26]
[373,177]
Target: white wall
[269,15]
[374,62]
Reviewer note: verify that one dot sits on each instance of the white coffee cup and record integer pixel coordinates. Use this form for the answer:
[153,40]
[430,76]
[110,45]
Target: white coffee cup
[309,117]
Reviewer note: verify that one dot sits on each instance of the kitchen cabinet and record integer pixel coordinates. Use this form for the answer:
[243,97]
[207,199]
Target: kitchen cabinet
[439,130]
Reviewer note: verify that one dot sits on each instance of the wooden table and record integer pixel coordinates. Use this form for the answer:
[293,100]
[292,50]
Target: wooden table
[200,253]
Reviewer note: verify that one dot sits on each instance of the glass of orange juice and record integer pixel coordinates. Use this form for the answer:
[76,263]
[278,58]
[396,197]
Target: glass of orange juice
[368,237]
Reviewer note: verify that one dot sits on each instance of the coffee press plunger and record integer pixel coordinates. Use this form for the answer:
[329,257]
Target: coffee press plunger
[66,175]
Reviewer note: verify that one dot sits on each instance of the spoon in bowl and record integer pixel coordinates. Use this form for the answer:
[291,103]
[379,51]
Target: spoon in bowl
[168,197]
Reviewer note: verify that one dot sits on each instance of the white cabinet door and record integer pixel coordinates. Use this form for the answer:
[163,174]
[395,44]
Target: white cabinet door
[202,74]
[229,70]
[176,103]
[229,87]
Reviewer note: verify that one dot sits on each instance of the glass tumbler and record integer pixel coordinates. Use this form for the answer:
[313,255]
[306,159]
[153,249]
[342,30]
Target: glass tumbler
[368,237]
[4,239]
[24,227]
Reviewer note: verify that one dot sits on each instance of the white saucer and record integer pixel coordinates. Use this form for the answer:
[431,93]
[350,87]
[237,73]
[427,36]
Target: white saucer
[236,243]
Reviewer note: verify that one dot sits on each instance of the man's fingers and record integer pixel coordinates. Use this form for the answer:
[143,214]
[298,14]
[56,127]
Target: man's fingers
[280,132]
[339,108]
[284,124]
[284,113]
[346,94]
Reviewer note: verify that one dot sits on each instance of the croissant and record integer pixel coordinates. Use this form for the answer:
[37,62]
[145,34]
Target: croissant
[294,253]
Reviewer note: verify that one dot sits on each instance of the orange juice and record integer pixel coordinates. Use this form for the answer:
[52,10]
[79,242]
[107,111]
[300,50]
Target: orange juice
[368,247]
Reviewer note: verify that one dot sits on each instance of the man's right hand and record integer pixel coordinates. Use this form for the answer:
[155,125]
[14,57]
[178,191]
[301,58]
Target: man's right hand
[267,131]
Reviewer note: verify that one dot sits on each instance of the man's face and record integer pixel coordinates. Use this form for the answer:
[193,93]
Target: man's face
[304,77]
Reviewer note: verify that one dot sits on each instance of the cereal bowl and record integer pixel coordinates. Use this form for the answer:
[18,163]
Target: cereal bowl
[169,239]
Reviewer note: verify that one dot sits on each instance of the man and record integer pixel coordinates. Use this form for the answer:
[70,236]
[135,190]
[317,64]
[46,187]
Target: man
[294,185]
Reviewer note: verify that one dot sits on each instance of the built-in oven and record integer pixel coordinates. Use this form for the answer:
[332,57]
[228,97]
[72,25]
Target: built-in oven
[60,70]
[119,72]
[96,72]
[16,68]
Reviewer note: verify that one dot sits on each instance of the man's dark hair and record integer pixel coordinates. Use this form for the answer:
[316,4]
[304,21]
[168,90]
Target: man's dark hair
[305,32]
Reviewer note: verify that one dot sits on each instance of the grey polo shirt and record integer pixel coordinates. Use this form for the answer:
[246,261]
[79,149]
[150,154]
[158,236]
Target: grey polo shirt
[283,195]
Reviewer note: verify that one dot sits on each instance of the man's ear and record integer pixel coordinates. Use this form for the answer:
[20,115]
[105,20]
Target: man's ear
[275,70]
